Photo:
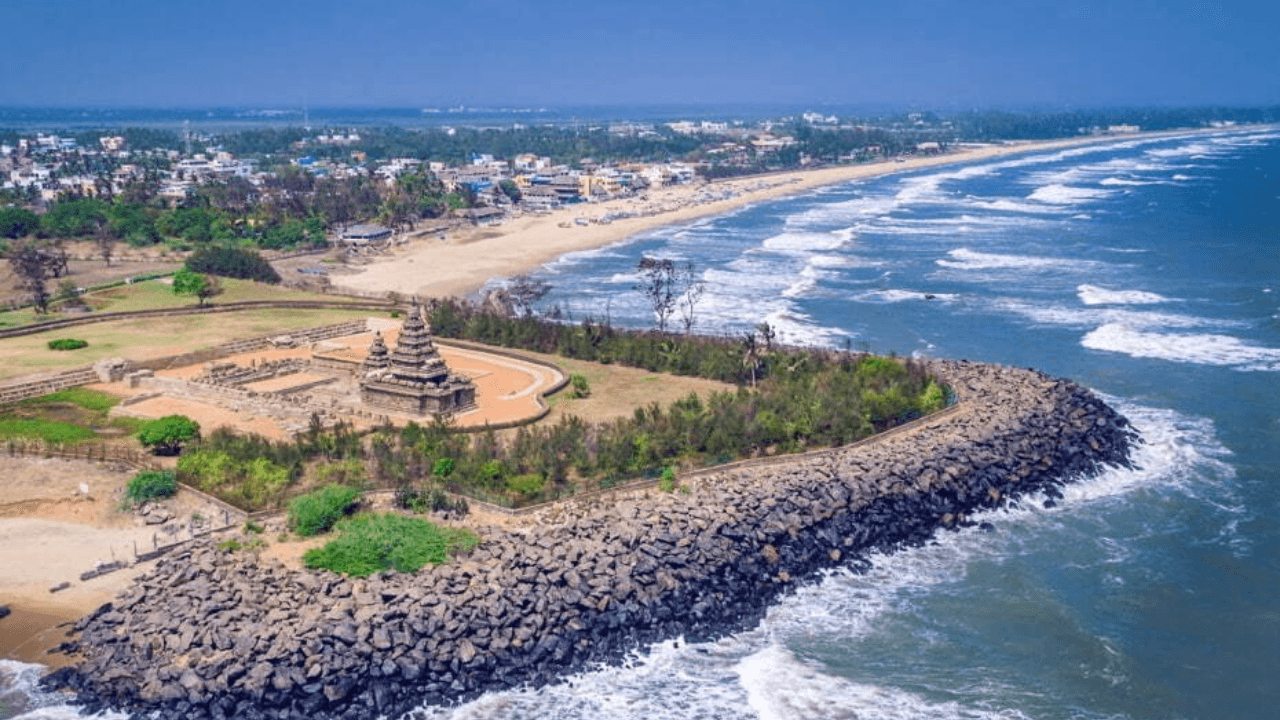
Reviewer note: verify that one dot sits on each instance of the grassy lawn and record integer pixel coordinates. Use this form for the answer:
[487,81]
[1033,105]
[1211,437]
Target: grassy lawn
[157,295]
[616,391]
[155,337]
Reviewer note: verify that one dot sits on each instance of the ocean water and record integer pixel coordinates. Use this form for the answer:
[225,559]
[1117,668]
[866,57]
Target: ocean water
[1147,270]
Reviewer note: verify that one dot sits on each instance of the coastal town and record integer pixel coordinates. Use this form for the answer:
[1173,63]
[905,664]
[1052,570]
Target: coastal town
[194,169]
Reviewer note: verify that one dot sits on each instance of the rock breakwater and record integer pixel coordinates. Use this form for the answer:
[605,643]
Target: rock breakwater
[212,635]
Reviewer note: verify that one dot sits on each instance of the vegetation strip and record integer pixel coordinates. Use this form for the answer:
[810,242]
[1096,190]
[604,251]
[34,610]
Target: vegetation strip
[210,634]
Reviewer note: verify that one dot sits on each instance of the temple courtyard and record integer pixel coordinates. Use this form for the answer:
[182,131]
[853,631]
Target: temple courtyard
[409,376]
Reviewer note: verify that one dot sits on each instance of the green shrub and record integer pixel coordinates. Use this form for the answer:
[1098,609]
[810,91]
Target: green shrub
[371,543]
[67,344]
[443,467]
[667,480]
[343,472]
[527,484]
[430,499]
[231,545]
[253,528]
[317,511]
[581,387]
[149,485]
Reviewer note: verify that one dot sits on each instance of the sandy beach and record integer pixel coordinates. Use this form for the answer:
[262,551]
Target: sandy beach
[462,262]
[51,532]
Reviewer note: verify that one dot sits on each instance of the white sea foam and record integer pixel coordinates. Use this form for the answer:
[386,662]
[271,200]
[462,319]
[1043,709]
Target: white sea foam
[966,259]
[781,687]
[20,692]
[806,242]
[1112,181]
[841,261]
[897,296]
[1092,317]
[806,282]
[796,328]
[1057,194]
[1094,295]
[1198,349]
[627,278]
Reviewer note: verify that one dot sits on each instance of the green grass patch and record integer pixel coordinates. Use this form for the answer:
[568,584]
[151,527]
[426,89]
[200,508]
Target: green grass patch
[50,431]
[91,400]
[67,344]
[371,543]
[317,511]
[66,416]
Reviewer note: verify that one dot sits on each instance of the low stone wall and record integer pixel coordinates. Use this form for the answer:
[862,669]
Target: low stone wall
[44,384]
[212,635]
[101,317]
[34,386]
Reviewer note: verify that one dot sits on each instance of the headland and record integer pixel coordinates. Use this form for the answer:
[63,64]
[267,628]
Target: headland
[211,635]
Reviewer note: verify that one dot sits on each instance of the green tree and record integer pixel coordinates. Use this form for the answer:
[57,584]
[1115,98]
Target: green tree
[202,286]
[166,435]
[510,189]
[18,222]
[33,263]
[232,262]
[133,223]
[75,217]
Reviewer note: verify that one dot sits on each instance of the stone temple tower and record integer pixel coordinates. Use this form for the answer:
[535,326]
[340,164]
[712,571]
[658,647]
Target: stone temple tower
[413,378]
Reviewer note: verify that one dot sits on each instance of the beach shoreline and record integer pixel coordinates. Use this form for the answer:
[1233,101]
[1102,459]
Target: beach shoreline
[51,532]
[466,260]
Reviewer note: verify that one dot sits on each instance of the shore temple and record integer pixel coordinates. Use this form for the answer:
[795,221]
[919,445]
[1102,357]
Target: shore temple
[413,378]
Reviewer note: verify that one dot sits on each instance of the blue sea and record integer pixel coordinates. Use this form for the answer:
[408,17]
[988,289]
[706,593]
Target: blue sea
[1145,269]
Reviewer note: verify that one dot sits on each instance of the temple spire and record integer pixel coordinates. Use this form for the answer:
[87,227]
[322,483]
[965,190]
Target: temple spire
[377,359]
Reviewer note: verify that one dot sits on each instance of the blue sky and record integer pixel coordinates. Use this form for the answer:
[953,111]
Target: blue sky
[412,53]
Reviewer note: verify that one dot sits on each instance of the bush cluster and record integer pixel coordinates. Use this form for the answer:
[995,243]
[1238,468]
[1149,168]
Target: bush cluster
[67,344]
[317,511]
[371,543]
[232,262]
[149,485]
[432,499]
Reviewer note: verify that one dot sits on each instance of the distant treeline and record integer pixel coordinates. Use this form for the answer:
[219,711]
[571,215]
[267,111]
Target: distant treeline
[457,145]
[1001,125]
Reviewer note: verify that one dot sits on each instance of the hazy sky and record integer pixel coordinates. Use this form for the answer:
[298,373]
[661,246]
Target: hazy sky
[933,53]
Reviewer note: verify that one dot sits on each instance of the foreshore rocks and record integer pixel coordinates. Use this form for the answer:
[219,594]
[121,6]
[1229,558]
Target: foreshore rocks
[214,635]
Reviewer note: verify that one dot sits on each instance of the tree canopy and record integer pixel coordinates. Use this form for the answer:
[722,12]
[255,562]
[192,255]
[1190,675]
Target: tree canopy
[167,434]
[202,286]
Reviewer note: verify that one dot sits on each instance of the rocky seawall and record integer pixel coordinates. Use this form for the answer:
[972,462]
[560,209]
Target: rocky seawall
[212,635]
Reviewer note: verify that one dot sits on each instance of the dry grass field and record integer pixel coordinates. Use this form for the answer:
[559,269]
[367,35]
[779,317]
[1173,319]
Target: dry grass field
[616,390]
[158,294]
[155,337]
